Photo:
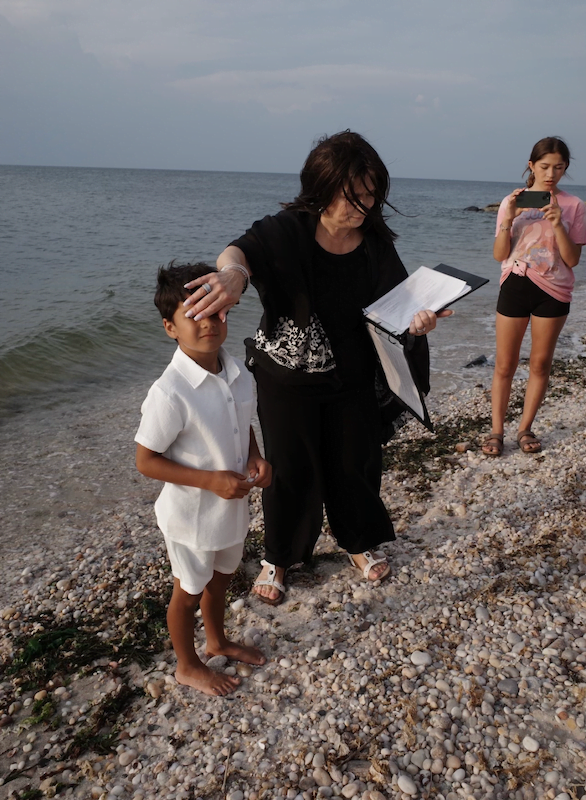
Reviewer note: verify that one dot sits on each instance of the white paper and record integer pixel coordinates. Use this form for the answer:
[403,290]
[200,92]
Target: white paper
[425,288]
[396,369]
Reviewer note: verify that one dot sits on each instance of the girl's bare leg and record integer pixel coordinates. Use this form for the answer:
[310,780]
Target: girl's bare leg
[544,335]
[190,670]
[509,336]
[213,602]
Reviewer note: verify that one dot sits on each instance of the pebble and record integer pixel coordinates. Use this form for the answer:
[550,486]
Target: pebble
[530,744]
[421,658]
[407,785]
[321,777]
[509,687]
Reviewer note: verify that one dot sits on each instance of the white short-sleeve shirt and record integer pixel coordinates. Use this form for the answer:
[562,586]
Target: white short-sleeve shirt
[200,420]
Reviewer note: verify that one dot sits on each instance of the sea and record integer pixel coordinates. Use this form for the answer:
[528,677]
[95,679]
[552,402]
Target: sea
[80,249]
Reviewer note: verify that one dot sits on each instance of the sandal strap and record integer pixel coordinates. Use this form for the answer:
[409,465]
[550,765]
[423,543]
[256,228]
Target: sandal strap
[371,561]
[271,579]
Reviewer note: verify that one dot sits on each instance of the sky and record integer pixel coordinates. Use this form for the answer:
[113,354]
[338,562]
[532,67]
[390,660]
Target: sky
[451,89]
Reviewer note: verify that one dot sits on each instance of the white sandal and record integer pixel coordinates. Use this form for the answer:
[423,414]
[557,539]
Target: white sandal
[372,560]
[271,580]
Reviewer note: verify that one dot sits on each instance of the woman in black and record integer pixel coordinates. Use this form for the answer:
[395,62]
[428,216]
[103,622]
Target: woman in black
[316,265]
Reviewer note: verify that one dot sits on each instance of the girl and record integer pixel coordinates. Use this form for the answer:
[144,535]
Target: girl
[538,249]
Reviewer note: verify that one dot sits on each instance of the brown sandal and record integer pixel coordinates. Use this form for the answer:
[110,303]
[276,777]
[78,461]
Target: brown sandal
[528,442]
[493,445]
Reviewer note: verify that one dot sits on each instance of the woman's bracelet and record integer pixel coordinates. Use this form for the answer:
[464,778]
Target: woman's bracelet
[238,268]
[506,227]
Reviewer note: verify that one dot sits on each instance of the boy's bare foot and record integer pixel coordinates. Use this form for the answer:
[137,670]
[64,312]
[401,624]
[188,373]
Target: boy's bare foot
[239,652]
[207,681]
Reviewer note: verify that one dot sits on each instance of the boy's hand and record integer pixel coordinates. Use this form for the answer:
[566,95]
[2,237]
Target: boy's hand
[260,472]
[229,485]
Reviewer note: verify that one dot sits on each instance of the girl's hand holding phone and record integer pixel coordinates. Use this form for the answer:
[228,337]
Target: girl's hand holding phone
[553,212]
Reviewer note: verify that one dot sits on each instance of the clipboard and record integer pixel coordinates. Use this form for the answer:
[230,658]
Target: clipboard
[390,344]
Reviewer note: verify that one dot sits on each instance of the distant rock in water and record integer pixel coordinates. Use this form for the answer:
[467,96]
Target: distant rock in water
[478,362]
[491,208]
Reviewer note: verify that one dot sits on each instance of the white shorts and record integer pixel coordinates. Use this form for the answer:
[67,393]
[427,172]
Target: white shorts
[194,569]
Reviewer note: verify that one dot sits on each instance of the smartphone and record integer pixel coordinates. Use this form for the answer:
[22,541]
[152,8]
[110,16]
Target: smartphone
[528,199]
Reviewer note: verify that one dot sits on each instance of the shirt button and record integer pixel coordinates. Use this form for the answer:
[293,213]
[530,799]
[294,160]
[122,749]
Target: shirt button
[235,430]
[230,400]
[239,460]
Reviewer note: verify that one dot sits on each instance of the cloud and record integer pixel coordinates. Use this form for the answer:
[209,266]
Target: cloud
[303,88]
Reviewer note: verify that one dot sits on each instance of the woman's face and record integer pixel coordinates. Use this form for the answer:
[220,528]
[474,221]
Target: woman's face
[548,171]
[342,213]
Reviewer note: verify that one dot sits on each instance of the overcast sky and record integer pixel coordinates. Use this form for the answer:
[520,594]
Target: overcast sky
[442,88]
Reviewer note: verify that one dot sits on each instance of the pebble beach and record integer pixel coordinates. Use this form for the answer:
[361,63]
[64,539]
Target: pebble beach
[461,675]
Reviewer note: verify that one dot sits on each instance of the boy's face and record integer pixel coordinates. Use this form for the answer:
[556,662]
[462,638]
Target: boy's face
[198,340]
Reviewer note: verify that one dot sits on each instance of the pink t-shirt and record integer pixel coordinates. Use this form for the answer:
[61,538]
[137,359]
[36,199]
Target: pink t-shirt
[534,250]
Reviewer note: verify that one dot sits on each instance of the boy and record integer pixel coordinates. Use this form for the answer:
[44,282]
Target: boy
[195,435]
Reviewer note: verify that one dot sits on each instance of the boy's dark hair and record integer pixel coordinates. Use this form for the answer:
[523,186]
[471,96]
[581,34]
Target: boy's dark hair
[171,282]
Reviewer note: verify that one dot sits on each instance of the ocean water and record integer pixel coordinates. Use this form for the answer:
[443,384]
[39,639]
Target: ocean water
[79,251]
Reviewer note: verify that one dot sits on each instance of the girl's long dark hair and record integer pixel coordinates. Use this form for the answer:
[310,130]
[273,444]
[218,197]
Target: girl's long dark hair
[546,147]
[337,163]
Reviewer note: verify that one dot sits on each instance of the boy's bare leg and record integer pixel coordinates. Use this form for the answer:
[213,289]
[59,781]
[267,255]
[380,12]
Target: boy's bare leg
[212,604]
[190,670]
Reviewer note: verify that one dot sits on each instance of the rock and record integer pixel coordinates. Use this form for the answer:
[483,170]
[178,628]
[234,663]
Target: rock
[530,744]
[321,777]
[127,757]
[477,362]
[407,785]
[482,614]
[164,709]
[462,447]
[421,658]
[238,605]
[154,689]
[244,670]
[508,686]
[350,790]
[217,662]
[40,695]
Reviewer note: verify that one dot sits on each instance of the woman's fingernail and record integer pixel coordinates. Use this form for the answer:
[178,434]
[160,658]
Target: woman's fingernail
[186,302]
[198,317]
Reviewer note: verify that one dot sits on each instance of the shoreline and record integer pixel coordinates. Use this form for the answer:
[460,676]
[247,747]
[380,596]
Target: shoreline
[463,674]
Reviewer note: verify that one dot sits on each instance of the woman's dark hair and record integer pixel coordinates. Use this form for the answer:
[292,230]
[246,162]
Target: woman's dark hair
[336,164]
[171,282]
[546,147]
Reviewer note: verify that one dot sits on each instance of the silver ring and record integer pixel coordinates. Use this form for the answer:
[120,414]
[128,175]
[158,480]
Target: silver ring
[207,288]
[420,330]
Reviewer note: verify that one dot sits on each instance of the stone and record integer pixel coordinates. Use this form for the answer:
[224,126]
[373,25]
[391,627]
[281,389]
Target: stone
[421,658]
[127,757]
[407,785]
[321,777]
[508,686]
[530,744]
[216,662]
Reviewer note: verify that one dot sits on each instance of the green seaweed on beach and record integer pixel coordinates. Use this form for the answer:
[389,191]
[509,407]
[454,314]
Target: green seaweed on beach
[56,650]
[42,711]
[101,734]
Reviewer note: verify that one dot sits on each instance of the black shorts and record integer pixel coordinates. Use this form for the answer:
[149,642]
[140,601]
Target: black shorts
[520,297]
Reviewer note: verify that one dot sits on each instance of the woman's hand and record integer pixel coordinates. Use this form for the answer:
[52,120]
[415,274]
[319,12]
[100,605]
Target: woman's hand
[553,212]
[260,471]
[225,289]
[425,321]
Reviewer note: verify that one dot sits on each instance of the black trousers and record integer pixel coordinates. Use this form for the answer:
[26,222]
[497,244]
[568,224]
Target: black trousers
[324,451]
